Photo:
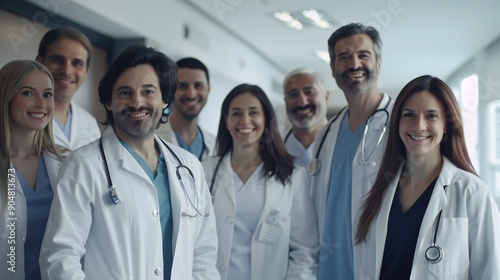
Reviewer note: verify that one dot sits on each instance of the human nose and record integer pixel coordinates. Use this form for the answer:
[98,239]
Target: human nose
[420,123]
[355,62]
[246,118]
[302,99]
[136,100]
[190,91]
[67,68]
[39,101]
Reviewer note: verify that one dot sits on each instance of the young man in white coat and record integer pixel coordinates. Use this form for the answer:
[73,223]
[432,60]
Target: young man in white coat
[132,206]
[66,53]
[191,95]
[349,147]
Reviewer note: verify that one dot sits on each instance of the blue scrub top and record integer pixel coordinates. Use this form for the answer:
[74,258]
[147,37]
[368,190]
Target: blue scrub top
[163,190]
[336,256]
[38,203]
[66,128]
[196,148]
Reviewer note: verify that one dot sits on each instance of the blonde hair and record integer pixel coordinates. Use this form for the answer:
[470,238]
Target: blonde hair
[12,77]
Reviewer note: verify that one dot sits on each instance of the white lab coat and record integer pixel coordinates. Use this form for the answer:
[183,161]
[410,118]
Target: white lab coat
[293,252]
[363,175]
[52,163]
[166,132]
[88,237]
[84,129]
[469,231]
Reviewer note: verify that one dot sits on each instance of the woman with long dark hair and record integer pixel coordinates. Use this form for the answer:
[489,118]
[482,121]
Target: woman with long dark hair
[265,223]
[428,215]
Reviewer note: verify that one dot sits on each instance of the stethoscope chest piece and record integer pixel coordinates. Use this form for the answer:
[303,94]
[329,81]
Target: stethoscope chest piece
[314,167]
[114,196]
[434,254]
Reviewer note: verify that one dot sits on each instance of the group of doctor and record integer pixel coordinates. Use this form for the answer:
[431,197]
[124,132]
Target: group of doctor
[389,192]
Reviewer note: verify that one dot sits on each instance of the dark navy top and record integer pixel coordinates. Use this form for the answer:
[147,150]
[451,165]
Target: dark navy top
[402,235]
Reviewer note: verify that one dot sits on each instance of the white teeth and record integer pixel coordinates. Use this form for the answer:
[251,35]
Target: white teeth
[356,75]
[303,111]
[246,130]
[35,115]
[138,115]
[64,81]
[418,138]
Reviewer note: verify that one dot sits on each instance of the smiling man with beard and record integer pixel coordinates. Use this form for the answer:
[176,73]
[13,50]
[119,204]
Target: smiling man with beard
[306,100]
[348,150]
[132,206]
[191,96]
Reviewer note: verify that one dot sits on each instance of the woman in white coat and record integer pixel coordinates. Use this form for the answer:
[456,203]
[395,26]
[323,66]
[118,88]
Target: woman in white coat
[28,167]
[428,215]
[265,219]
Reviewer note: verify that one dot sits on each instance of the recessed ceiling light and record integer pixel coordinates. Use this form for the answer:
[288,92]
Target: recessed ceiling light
[283,16]
[323,55]
[316,18]
[288,19]
[298,19]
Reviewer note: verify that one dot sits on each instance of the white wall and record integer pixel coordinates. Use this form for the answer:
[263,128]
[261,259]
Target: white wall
[486,64]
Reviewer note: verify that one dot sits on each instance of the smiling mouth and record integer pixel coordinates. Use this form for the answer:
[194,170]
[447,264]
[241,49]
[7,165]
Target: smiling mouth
[137,114]
[37,115]
[245,130]
[64,81]
[303,111]
[418,138]
[355,75]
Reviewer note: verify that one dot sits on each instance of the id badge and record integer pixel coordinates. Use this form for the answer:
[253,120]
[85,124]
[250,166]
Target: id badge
[269,233]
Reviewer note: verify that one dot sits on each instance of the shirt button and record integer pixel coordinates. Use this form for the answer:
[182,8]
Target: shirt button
[155,213]
[158,271]
[23,240]
[229,220]
[271,232]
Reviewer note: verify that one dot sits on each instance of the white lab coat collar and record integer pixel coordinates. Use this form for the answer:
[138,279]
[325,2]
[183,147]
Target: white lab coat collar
[447,177]
[115,152]
[166,132]
[84,129]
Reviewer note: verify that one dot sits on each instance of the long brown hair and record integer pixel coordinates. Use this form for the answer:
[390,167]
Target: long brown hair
[452,145]
[277,161]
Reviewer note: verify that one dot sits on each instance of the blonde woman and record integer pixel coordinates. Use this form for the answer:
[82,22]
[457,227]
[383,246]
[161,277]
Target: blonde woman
[28,166]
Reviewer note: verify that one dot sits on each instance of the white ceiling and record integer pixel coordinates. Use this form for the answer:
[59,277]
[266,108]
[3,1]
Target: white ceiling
[420,37]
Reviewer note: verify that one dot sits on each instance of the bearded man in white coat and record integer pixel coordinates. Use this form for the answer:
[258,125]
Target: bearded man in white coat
[132,206]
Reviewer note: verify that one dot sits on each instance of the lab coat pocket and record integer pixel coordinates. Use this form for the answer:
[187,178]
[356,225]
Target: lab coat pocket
[452,237]
[272,229]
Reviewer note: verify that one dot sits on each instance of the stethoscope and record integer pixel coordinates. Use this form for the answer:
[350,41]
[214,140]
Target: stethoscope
[434,253]
[114,195]
[314,166]
[213,177]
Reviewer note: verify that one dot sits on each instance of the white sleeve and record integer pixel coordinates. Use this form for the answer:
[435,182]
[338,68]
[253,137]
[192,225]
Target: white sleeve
[304,239]
[484,235]
[205,251]
[69,221]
